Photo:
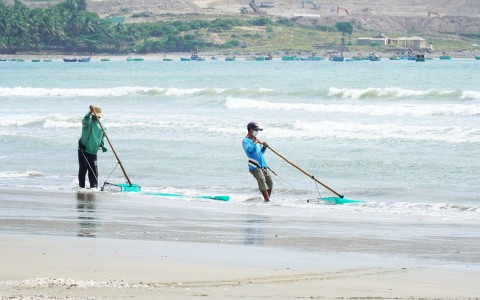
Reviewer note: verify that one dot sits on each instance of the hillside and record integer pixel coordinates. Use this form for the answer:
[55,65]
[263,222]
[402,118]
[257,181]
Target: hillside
[447,17]
[287,8]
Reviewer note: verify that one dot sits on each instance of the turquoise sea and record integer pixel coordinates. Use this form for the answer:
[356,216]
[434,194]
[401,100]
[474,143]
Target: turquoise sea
[402,136]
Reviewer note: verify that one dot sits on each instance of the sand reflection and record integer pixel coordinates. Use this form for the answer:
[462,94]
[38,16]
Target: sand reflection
[87,220]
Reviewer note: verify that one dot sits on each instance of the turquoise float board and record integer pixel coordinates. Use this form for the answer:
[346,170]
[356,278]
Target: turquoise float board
[221,198]
[126,187]
[338,200]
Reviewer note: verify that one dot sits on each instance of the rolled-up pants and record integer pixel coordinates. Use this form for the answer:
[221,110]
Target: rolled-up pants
[263,178]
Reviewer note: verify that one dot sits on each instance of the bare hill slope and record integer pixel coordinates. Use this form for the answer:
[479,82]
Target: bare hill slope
[393,16]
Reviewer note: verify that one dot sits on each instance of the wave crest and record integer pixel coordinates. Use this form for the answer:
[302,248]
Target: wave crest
[15,174]
[359,109]
[123,91]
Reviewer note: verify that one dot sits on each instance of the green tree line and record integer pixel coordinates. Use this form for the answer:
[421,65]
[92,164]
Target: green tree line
[68,26]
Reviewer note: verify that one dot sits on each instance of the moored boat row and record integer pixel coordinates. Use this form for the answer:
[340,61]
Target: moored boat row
[333,57]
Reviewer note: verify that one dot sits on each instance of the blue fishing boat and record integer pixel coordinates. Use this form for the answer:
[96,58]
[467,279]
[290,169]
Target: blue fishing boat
[420,57]
[196,57]
[337,58]
[374,57]
[315,58]
[290,57]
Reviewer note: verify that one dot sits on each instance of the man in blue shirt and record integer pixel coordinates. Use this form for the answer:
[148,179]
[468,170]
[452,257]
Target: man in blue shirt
[257,165]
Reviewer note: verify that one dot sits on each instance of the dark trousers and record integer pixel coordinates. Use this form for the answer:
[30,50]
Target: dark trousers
[87,163]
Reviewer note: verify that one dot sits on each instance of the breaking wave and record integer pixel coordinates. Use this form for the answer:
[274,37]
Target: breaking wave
[30,173]
[393,109]
[123,91]
[327,93]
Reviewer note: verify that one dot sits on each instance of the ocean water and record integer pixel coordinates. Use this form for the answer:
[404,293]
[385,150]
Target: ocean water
[402,136]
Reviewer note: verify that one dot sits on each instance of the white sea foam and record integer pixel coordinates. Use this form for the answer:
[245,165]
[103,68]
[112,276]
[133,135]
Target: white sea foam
[61,124]
[16,174]
[391,92]
[361,109]
[360,131]
[19,120]
[59,92]
[122,91]
[470,95]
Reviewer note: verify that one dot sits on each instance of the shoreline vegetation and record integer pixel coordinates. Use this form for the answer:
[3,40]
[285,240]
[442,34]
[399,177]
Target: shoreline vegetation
[68,28]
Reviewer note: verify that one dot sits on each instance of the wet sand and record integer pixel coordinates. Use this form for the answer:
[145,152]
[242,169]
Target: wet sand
[58,245]
[75,267]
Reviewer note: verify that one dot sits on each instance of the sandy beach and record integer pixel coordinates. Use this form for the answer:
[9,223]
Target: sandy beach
[404,145]
[42,267]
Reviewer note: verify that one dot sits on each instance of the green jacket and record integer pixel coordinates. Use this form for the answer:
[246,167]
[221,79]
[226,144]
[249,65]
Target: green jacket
[92,135]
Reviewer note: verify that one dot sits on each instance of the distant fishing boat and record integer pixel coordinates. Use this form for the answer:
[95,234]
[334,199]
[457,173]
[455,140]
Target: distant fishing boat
[135,59]
[420,58]
[105,59]
[85,59]
[290,57]
[196,57]
[477,57]
[185,59]
[230,58]
[47,60]
[3,59]
[167,59]
[260,58]
[70,59]
[396,57]
[337,58]
[445,57]
[315,58]
[374,57]
[36,60]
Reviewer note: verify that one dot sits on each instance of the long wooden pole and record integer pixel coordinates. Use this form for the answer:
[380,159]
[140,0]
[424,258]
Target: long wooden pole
[304,172]
[111,146]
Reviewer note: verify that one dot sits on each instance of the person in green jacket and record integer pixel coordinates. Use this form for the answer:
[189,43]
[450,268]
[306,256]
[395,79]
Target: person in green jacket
[91,140]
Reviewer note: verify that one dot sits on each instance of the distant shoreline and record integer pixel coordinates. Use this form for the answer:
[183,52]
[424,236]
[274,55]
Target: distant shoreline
[220,54]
